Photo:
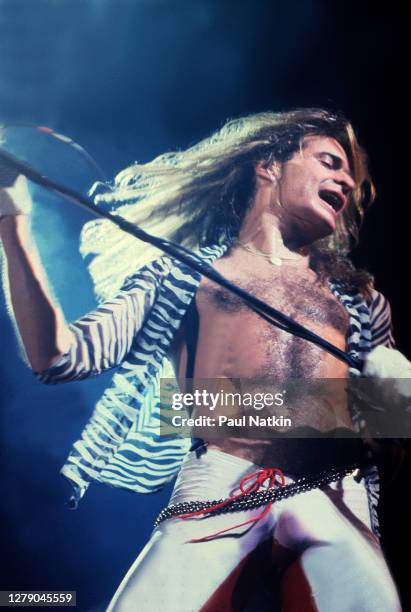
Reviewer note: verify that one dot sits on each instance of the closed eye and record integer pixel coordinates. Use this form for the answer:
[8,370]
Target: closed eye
[330,161]
[336,164]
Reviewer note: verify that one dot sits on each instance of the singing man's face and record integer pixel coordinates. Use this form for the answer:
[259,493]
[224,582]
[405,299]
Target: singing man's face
[314,187]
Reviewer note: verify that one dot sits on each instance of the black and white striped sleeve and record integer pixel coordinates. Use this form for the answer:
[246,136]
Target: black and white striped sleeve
[102,338]
[380,321]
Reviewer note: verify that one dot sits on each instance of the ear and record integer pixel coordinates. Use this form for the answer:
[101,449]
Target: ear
[269,172]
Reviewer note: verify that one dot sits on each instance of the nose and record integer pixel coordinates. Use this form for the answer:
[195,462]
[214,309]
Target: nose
[346,181]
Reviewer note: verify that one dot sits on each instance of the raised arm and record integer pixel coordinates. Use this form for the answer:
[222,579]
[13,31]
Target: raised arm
[43,331]
[56,350]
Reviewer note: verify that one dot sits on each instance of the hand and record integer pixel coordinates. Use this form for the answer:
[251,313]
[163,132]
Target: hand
[382,395]
[15,198]
[383,362]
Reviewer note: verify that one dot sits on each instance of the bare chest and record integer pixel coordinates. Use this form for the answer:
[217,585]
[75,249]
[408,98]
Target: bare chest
[243,344]
[234,342]
[299,295]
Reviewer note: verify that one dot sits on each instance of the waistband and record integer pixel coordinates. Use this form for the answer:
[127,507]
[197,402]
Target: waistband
[253,497]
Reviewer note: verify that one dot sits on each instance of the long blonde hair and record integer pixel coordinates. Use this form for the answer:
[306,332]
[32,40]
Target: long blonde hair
[199,196]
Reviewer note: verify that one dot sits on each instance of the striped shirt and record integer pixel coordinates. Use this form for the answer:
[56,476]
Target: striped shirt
[121,444]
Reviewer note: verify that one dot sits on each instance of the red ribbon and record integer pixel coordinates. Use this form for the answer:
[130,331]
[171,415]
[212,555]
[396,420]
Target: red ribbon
[257,480]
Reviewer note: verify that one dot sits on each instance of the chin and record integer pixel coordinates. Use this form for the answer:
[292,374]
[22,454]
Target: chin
[327,231]
[317,230]
[325,224]
[308,227]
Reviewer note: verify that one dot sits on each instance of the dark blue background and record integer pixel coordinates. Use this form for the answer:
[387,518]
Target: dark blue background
[129,80]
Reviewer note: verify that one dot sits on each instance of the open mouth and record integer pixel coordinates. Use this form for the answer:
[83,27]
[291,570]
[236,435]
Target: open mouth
[335,200]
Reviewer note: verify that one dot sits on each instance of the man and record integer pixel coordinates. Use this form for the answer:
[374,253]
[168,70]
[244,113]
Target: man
[272,201]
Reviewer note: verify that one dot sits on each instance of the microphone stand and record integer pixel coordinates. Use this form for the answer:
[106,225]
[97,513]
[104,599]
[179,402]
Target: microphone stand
[182,254]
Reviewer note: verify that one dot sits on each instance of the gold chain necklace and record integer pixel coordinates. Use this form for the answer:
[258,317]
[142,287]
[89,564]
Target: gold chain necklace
[275,260]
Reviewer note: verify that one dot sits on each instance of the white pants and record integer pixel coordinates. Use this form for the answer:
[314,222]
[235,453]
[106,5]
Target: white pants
[312,552]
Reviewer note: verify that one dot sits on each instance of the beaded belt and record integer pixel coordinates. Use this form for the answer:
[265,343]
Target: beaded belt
[255,498]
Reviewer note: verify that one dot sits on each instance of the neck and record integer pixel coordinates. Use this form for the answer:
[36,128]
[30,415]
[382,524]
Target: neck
[262,230]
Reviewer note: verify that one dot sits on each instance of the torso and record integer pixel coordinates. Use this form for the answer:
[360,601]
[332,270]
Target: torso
[235,342]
